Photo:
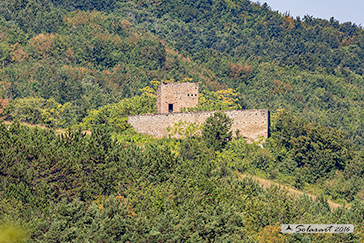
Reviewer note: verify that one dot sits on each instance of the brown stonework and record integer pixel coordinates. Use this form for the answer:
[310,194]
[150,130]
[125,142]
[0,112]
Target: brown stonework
[172,97]
[252,124]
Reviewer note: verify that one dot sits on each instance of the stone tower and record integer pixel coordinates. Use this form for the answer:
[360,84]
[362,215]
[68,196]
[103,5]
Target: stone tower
[171,97]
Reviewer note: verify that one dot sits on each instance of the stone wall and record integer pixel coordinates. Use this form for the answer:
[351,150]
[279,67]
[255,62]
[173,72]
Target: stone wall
[176,96]
[253,124]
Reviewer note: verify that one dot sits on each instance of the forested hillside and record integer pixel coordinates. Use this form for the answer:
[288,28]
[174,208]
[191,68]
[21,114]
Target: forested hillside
[63,51]
[80,65]
[76,187]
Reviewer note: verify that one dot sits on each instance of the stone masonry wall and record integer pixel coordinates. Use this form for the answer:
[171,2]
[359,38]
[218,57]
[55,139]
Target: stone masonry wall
[180,95]
[252,123]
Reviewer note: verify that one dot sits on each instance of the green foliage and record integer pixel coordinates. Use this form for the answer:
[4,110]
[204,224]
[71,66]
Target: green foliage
[62,188]
[27,110]
[216,131]
[184,129]
[83,66]
[316,151]
[116,115]
[56,115]
[39,111]
[221,100]
[10,234]
[4,52]
[195,149]
[115,222]
[235,155]
[130,136]
[252,56]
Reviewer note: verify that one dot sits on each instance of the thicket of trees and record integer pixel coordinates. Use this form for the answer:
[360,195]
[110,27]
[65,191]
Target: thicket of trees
[76,187]
[90,64]
[91,54]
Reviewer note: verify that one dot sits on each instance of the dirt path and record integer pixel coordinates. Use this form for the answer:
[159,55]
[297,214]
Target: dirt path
[267,183]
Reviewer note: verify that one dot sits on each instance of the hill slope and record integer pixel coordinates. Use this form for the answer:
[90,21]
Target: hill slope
[310,66]
[93,63]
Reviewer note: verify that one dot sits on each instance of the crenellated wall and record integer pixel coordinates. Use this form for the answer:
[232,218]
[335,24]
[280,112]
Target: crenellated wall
[253,124]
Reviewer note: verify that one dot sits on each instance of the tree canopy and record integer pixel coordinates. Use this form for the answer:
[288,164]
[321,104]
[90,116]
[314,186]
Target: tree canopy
[80,65]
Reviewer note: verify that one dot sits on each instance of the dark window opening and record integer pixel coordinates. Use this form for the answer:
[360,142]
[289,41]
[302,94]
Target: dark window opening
[170,107]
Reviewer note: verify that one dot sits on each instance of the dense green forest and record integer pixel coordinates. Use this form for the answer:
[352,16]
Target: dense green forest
[87,65]
[75,187]
[62,51]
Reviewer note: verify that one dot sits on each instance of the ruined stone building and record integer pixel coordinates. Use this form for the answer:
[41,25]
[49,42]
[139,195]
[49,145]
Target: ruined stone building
[171,97]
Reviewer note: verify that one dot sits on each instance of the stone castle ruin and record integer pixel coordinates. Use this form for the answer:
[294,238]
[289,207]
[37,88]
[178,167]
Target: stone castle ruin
[172,97]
